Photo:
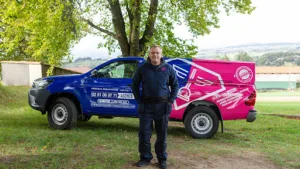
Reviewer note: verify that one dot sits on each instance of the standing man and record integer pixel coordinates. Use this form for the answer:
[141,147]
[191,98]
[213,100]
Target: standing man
[155,104]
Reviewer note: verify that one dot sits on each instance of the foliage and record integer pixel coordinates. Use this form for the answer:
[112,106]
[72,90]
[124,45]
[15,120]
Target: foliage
[223,57]
[278,59]
[243,56]
[38,30]
[45,30]
[140,23]
[83,59]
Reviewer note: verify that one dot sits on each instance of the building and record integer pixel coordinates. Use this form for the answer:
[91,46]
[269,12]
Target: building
[22,73]
[278,78]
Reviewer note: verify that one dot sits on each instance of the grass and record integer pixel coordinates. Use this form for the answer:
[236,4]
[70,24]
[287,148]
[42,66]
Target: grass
[279,93]
[27,141]
[288,108]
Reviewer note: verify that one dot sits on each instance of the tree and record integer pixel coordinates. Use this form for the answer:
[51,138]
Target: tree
[16,52]
[225,57]
[50,27]
[138,23]
[243,56]
[45,30]
[83,59]
[278,59]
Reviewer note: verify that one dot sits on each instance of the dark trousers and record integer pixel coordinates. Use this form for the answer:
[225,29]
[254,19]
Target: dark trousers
[159,113]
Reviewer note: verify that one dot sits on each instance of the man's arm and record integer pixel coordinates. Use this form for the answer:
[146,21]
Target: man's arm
[135,86]
[173,82]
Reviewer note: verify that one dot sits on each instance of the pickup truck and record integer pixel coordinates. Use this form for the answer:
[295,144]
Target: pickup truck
[210,91]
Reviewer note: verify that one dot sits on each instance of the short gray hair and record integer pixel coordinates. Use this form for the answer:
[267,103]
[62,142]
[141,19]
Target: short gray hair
[155,46]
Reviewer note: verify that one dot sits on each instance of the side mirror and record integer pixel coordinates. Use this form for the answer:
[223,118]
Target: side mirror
[94,73]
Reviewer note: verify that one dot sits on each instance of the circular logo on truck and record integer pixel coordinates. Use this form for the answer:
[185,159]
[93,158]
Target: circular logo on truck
[244,74]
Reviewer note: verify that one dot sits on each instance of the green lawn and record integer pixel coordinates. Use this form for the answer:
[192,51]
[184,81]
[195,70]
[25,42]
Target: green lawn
[288,108]
[27,142]
[279,93]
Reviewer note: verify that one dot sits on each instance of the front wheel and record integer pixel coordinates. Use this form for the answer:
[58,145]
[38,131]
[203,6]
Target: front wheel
[201,122]
[62,114]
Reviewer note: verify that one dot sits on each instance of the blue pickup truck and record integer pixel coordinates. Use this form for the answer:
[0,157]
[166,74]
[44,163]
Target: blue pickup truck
[210,92]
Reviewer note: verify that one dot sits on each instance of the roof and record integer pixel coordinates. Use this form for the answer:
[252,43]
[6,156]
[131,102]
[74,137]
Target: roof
[75,70]
[277,70]
[22,62]
[79,69]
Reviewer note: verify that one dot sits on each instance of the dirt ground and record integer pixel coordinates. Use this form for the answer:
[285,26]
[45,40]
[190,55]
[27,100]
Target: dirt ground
[245,160]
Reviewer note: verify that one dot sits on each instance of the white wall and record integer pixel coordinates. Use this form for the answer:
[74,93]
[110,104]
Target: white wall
[14,74]
[35,72]
[277,77]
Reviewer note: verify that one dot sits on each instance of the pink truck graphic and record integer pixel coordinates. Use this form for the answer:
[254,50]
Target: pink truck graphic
[210,92]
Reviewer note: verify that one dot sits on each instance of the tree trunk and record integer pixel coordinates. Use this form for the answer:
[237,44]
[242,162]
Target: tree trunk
[119,26]
[149,29]
[133,45]
[135,28]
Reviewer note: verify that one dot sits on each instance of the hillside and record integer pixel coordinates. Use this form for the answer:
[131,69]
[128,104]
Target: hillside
[272,54]
[254,50]
[86,63]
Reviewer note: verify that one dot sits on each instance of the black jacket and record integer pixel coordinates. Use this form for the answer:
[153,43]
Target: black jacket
[156,82]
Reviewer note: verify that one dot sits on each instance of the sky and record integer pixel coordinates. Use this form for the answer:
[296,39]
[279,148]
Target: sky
[272,21]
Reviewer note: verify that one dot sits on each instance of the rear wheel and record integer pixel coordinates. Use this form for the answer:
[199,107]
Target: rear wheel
[62,114]
[201,122]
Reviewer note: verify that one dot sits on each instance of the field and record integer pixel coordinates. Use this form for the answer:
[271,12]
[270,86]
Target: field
[27,141]
[279,96]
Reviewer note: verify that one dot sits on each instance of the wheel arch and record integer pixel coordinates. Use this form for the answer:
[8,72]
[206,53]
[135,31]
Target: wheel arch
[70,96]
[203,103]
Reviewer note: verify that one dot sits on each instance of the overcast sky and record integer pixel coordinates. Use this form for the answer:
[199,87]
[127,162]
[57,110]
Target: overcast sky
[272,21]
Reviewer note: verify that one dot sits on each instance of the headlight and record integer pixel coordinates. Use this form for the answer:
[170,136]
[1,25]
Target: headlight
[41,83]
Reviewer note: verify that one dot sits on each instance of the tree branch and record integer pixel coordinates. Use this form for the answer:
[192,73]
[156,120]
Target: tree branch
[172,3]
[79,5]
[119,25]
[149,29]
[130,15]
[99,29]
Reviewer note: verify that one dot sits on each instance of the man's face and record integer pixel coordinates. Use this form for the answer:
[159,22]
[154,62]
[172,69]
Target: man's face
[155,55]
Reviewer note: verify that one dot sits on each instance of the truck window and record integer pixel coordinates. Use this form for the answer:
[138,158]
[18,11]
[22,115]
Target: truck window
[119,69]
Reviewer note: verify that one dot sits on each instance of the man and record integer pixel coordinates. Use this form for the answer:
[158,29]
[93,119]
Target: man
[155,104]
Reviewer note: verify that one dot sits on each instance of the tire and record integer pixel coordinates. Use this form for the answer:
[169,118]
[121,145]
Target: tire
[201,122]
[62,114]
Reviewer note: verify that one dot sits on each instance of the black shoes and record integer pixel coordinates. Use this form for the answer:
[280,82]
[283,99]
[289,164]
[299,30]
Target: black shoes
[142,163]
[162,164]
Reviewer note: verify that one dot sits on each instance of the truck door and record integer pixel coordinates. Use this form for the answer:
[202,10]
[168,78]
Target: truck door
[108,89]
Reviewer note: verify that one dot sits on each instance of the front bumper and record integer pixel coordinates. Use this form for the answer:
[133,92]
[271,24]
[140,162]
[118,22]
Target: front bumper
[37,99]
[251,116]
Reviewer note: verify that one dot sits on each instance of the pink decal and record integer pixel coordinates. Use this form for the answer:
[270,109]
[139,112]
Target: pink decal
[244,74]
[180,72]
[231,98]
[225,84]
[200,79]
